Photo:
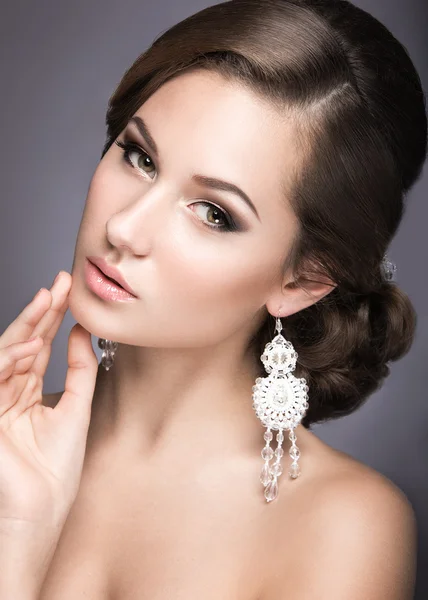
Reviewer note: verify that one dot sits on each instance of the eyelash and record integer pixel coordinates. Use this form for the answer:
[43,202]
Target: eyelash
[231,224]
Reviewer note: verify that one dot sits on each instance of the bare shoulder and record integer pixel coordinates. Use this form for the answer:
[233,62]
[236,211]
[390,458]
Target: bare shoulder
[51,399]
[356,536]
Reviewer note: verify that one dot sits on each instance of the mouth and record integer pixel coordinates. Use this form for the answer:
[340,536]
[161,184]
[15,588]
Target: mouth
[112,280]
[111,273]
[104,286]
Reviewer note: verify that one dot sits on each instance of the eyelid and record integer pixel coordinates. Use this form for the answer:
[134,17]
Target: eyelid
[127,136]
[232,222]
[127,139]
[127,146]
[235,223]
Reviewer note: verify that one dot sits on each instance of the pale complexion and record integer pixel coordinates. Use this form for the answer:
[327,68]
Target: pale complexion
[181,371]
[174,445]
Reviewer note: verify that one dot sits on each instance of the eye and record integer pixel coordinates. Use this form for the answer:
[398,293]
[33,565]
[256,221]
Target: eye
[214,214]
[137,158]
[141,161]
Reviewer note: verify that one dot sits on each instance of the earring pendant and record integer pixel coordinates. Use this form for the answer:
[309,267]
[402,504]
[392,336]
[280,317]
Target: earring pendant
[280,402]
[109,348]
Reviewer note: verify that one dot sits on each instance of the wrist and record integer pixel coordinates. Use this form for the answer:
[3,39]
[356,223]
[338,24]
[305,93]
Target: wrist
[25,555]
[13,587]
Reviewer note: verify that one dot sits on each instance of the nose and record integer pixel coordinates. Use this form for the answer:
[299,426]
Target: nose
[135,226]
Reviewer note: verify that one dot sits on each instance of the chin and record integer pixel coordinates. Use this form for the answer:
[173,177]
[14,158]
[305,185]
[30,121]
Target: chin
[84,310]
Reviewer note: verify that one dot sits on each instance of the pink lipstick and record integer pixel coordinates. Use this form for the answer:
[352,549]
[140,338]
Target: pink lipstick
[104,286]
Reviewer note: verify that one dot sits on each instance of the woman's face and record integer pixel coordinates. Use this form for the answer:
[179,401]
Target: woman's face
[202,262]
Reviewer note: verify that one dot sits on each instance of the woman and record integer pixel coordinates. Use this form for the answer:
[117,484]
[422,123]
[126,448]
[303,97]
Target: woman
[257,159]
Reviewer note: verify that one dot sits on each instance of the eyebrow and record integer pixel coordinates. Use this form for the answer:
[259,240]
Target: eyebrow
[204,180]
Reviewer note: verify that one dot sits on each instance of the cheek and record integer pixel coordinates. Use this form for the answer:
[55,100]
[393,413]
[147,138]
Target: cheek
[196,287]
[103,191]
[211,287]
[96,191]
[103,199]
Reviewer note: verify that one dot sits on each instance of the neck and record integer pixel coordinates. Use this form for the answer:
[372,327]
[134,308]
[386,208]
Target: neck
[159,402]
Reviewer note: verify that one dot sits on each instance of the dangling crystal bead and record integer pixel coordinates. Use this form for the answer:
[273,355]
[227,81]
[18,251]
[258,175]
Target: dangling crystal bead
[271,491]
[267,453]
[107,361]
[265,475]
[294,452]
[294,471]
[268,435]
[279,452]
[109,348]
[111,345]
[276,469]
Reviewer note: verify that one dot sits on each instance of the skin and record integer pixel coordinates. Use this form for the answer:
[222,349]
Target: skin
[172,430]
[201,292]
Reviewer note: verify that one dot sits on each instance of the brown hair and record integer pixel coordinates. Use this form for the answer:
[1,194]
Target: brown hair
[359,107]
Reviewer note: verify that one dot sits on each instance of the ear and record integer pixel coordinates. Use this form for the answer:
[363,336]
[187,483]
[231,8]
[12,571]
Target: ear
[291,297]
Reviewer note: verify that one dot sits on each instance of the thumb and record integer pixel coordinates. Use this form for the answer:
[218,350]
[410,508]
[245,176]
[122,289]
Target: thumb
[81,373]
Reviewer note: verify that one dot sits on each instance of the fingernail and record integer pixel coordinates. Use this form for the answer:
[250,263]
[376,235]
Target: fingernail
[56,278]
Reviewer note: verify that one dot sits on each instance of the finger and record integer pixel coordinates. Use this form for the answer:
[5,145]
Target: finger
[81,374]
[59,292]
[25,399]
[11,354]
[22,327]
[27,323]
[39,363]
[53,316]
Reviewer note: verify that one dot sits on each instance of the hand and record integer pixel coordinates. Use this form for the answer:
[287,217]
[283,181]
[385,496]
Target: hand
[42,448]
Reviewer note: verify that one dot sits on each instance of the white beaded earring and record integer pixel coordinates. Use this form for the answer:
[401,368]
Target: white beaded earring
[109,348]
[280,402]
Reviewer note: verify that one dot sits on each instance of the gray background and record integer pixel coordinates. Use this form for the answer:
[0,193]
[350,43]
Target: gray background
[60,61]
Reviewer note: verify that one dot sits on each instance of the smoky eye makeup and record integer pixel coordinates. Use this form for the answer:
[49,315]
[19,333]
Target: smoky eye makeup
[218,218]
[128,147]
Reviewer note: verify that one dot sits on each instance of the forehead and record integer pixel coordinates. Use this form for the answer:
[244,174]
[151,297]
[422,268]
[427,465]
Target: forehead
[204,123]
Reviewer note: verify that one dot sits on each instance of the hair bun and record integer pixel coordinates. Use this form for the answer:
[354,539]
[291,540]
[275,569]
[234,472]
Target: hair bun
[392,321]
[359,138]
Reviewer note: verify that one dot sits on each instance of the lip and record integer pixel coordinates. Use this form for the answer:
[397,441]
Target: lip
[104,287]
[111,272]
